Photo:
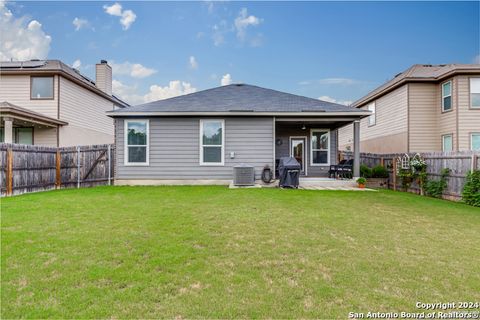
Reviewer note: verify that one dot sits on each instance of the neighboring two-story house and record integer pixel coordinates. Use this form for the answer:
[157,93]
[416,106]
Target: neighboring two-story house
[46,102]
[425,108]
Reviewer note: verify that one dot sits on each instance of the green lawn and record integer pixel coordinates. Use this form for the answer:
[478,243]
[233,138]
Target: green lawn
[212,252]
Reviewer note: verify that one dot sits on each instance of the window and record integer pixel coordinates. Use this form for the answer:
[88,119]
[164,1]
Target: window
[372,119]
[447,96]
[20,135]
[475,141]
[212,142]
[447,142]
[474,92]
[41,88]
[320,147]
[136,142]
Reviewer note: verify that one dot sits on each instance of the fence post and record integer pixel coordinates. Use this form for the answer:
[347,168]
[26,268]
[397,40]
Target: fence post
[9,173]
[109,165]
[78,167]
[382,162]
[58,178]
[394,163]
[474,162]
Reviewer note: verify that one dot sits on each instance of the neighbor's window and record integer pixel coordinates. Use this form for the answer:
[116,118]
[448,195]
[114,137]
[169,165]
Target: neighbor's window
[372,119]
[136,142]
[320,148]
[42,88]
[447,96]
[212,142]
[474,92]
[447,142]
[475,141]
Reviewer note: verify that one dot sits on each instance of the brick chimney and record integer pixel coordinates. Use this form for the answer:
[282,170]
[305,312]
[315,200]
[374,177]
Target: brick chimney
[103,77]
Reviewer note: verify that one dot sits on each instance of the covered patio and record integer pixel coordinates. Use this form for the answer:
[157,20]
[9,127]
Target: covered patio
[19,125]
[313,141]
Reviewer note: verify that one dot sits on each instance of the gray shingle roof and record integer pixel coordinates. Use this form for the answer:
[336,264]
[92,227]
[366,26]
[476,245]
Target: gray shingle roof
[238,98]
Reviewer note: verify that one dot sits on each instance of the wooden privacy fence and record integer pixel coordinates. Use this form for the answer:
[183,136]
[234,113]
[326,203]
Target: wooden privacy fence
[27,168]
[459,163]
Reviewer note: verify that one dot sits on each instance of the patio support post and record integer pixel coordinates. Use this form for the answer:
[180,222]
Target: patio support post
[356,148]
[8,133]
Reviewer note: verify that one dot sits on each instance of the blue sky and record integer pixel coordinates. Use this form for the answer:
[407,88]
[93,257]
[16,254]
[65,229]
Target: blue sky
[335,50]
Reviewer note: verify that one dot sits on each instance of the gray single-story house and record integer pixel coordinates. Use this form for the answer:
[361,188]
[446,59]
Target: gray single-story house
[198,138]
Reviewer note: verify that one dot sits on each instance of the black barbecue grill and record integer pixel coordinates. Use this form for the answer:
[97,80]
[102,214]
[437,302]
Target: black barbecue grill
[289,172]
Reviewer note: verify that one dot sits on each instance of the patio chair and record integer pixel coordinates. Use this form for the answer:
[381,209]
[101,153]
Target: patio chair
[345,170]
[333,172]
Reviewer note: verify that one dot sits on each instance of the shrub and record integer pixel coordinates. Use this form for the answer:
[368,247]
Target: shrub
[435,188]
[379,172]
[365,171]
[361,180]
[471,190]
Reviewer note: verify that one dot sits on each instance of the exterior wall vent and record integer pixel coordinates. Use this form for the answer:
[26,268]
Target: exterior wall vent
[243,175]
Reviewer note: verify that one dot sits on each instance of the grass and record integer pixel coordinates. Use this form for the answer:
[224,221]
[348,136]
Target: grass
[211,252]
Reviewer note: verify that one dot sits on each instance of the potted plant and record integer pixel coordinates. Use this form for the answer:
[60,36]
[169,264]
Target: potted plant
[361,182]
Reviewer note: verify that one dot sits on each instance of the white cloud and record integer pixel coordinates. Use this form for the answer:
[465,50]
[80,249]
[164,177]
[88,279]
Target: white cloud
[76,64]
[127,17]
[333,100]
[80,23]
[174,88]
[193,62]
[156,92]
[114,10]
[135,70]
[219,32]
[243,21]
[226,80]
[476,60]
[21,40]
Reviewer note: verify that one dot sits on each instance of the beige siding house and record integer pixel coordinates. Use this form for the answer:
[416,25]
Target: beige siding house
[425,108]
[49,103]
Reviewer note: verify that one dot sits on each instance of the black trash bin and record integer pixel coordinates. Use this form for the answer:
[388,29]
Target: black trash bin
[289,172]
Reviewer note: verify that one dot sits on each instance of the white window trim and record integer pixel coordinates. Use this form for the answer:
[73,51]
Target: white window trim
[125,145]
[202,163]
[311,148]
[374,114]
[471,139]
[470,93]
[443,141]
[450,95]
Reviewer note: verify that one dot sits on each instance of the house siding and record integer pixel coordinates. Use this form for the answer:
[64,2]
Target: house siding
[447,121]
[15,89]
[85,113]
[424,135]
[390,130]
[175,149]
[468,118]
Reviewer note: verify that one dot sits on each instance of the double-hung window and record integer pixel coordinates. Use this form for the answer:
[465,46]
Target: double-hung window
[41,88]
[475,141]
[212,142]
[475,93]
[447,142]
[136,142]
[372,119]
[447,96]
[320,147]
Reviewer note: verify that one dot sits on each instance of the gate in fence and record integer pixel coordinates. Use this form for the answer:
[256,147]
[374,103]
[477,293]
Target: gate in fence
[27,168]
